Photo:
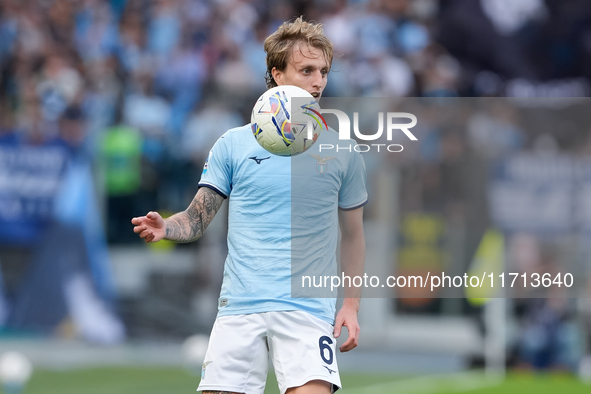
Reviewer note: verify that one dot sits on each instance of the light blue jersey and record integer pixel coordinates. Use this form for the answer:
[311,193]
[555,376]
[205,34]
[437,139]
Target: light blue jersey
[283,218]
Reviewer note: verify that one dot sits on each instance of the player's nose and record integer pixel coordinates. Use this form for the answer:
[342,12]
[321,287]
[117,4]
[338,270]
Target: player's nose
[317,81]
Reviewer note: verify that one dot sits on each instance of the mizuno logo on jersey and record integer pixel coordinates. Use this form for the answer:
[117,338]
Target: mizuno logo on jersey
[259,160]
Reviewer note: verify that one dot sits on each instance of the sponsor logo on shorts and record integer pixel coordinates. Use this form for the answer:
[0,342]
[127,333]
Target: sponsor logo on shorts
[330,371]
[205,364]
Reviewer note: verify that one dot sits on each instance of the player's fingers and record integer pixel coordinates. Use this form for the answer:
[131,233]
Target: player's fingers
[139,229]
[353,330]
[145,233]
[150,238]
[349,344]
[337,332]
[137,220]
[338,324]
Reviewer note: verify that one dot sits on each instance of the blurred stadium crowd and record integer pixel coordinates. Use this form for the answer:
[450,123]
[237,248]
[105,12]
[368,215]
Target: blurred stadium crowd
[139,90]
[153,83]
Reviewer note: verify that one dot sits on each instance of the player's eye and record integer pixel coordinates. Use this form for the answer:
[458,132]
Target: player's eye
[324,73]
[306,71]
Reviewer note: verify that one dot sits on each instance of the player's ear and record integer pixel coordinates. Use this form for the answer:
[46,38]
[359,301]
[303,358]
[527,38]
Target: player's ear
[277,76]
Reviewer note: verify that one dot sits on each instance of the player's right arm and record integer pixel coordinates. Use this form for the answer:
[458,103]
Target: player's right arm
[186,226]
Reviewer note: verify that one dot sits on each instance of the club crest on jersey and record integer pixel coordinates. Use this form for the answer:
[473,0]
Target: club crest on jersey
[321,164]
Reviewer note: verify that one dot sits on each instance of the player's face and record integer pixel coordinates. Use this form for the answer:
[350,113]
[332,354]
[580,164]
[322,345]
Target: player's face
[306,68]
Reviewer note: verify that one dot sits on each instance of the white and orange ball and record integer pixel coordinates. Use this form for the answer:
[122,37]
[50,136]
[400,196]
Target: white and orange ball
[283,127]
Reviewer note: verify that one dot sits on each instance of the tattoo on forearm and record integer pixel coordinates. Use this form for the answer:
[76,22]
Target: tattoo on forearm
[190,224]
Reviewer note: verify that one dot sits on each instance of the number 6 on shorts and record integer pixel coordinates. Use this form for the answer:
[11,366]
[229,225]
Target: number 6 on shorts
[324,342]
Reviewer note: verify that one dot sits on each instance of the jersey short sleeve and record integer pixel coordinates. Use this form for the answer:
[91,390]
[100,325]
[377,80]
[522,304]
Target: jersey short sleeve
[353,193]
[217,171]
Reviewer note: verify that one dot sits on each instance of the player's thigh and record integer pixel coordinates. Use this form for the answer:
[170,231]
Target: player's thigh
[220,392]
[236,360]
[302,350]
[312,387]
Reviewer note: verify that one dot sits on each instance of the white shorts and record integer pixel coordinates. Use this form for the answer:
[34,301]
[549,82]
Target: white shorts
[301,346]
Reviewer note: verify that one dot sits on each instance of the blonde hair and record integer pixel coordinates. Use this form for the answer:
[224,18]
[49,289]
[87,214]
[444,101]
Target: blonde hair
[279,44]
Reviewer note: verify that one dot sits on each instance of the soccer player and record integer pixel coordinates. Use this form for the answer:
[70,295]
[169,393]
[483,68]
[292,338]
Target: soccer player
[282,210]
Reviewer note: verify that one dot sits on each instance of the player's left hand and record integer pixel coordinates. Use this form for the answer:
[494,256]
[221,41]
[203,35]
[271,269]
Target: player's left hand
[347,317]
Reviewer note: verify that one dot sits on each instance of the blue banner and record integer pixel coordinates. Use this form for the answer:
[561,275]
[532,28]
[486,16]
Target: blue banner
[541,193]
[30,178]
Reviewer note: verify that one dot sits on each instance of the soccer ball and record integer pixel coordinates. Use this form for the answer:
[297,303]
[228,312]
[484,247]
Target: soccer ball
[285,129]
[15,371]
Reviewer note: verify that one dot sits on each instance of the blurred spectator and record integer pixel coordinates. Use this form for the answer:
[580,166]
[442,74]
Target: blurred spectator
[96,34]
[121,161]
[148,112]
[164,28]
[493,131]
[101,98]
[131,41]
[181,79]
[549,338]
[60,85]
[61,20]
[204,128]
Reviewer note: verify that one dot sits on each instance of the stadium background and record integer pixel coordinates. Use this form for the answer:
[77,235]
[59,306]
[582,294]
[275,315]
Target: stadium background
[108,109]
